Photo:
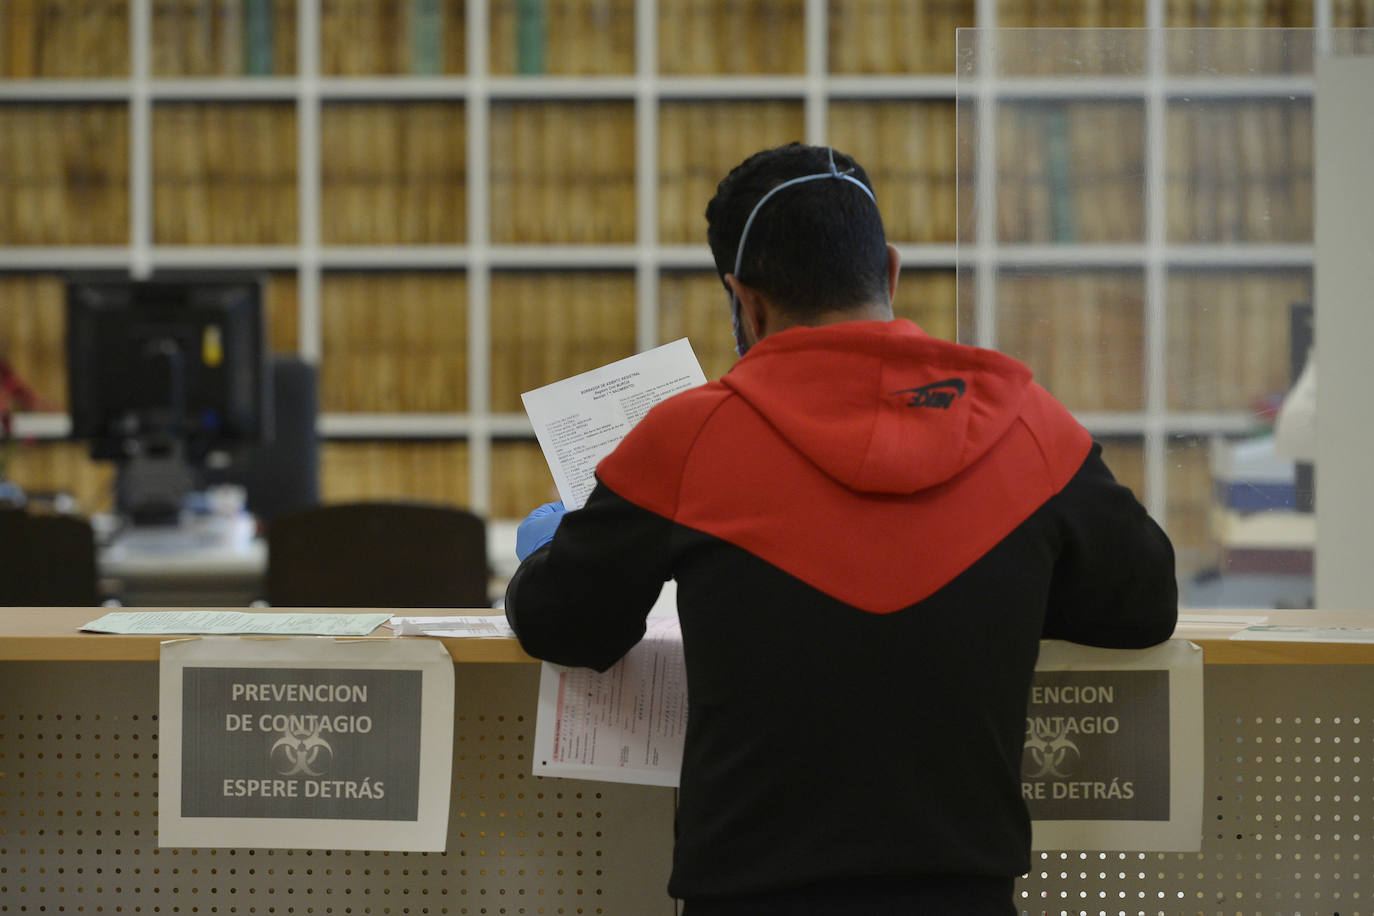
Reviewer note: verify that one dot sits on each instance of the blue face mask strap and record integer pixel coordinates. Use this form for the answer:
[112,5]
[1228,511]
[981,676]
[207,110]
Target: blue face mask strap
[846,175]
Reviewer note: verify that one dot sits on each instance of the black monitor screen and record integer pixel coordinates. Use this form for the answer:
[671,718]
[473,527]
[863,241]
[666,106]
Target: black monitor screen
[166,360]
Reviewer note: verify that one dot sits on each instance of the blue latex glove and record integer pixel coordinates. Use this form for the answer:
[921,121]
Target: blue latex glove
[538,528]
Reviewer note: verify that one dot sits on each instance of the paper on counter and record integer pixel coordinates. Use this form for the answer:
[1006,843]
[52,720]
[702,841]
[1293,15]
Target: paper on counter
[1307,634]
[235,623]
[1221,620]
[1211,626]
[580,420]
[626,725]
[480,626]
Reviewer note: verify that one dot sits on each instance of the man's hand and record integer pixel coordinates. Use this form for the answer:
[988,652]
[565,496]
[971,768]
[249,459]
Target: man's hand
[538,528]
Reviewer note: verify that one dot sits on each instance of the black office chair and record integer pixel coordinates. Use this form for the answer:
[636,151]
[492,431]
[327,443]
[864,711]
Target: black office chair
[378,554]
[47,560]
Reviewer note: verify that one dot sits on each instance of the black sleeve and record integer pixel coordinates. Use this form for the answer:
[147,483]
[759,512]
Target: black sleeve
[581,599]
[1114,583]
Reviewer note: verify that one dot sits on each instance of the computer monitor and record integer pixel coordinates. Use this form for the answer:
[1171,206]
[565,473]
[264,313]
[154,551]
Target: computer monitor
[162,374]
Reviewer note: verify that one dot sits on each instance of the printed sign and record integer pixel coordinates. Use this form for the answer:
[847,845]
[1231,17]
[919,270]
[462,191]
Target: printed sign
[300,742]
[310,743]
[1097,746]
[1112,757]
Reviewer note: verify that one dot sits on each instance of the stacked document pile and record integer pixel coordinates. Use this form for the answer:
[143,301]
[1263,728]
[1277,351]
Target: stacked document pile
[1256,519]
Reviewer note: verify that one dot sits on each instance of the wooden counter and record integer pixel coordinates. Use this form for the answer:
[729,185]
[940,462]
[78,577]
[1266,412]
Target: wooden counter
[1286,738]
[79,752]
[1219,648]
[53,634]
[49,634]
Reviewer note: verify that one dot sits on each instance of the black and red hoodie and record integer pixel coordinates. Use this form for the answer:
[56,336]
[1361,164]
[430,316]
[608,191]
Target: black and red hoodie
[871,530]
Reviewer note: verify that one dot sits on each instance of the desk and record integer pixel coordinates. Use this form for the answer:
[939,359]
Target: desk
[188,573]
[1288,821]
[200,574]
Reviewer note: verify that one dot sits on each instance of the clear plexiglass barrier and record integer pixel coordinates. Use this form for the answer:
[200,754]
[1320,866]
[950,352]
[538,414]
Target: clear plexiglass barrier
[1136,222]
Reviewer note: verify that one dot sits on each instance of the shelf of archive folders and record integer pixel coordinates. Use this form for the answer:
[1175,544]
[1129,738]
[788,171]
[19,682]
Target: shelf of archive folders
[392,182]
[429,37]
[260,39]
[72,38]
[402,372]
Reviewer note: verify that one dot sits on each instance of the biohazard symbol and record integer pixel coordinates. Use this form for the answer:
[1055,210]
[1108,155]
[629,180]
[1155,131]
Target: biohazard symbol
[1051,752]
[302,752]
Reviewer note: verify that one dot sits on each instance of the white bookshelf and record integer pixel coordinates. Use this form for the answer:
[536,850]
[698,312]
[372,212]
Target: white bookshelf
[985,257]
[646,89]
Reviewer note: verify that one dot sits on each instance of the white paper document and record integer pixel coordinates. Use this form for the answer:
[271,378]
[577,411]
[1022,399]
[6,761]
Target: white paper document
[626,725]
[483,626]
[1307,634]
[1221,620]
[235,623]
[1212,626]
[581,419]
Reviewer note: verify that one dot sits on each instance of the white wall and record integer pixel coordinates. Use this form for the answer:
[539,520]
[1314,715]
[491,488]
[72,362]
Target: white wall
[1344,309]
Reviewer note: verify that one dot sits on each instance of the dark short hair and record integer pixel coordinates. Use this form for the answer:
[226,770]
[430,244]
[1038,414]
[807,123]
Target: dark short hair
[815,247]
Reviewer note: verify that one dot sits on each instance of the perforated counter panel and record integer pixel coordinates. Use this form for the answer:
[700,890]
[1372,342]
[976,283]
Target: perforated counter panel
[1287,816]
[78,818]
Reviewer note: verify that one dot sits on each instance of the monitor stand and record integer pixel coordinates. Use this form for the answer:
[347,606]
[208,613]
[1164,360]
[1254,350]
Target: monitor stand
[151,486]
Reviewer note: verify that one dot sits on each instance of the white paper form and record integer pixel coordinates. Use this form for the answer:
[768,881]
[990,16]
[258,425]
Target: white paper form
[626,725]
[1307,634]
[1209,625]
[235,623]
[493,626]
[579,420]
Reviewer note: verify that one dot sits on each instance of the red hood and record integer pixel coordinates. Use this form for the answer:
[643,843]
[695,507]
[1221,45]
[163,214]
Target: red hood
[881,406]
[869,444]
